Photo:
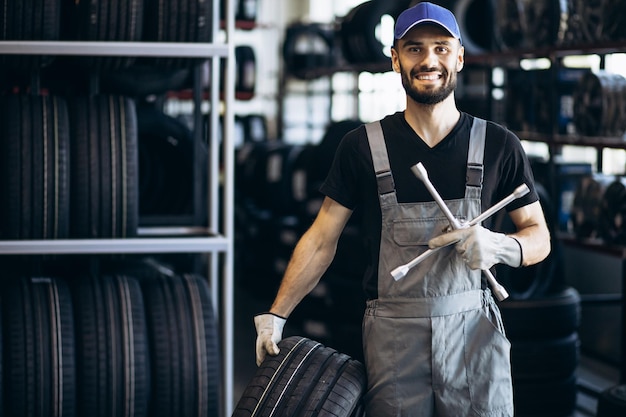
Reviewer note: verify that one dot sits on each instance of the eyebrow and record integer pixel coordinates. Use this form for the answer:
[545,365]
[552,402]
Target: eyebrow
[418,43]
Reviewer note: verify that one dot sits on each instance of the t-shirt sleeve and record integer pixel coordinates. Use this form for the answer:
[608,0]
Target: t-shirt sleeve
[517,171]
[342,183]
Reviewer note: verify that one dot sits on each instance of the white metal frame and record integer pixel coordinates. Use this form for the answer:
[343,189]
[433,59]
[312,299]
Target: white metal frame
[212,241]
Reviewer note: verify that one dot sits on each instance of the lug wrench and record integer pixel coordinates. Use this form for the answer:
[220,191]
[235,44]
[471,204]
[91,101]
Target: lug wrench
[421,173]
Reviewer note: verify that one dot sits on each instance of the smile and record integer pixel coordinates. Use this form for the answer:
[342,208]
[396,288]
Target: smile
[431,77]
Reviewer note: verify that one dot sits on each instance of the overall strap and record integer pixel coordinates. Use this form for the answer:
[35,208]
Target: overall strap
[382,169]
[475,156]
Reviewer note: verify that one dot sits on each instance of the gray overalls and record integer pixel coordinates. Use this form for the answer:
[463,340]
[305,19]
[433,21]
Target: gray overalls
[434,341]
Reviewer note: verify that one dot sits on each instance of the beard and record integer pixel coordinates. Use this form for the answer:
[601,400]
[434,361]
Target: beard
[429,97]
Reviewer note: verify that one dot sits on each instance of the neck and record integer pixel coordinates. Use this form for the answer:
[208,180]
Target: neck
[432,123]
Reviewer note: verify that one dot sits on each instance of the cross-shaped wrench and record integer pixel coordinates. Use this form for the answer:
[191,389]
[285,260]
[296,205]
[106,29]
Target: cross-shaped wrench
[420,172]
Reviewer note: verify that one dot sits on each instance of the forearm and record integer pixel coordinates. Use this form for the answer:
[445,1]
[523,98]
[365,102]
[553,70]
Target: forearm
[535,244]
[532,233]
[308,263]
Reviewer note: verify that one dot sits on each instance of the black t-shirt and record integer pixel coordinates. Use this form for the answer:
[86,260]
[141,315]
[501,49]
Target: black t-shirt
[352,183]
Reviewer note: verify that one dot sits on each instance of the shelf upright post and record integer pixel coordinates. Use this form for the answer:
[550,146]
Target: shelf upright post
[227,209]
[622,374]
[556,63]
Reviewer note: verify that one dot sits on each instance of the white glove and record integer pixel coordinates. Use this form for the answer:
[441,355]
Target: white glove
[481,248]
[269,331]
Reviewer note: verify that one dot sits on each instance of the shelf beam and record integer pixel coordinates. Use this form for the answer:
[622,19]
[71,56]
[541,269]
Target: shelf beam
[101,48]
[112,246]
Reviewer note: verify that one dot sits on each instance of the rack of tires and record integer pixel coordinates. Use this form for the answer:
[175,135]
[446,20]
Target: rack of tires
[138,339]
[88,153]
[361,38]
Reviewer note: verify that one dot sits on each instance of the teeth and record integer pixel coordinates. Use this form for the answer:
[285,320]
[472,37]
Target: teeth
[428,77]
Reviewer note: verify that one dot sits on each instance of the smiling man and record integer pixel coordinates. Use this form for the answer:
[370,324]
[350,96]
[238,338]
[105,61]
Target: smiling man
[434,344]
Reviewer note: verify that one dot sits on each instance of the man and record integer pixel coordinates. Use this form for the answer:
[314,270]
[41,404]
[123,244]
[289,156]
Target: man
[433,340]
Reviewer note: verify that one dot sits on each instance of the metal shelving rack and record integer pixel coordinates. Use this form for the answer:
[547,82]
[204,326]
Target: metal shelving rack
[217,238]
[554,140]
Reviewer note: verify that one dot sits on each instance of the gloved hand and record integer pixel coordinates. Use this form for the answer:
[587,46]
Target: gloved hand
[269,331]
[481,248]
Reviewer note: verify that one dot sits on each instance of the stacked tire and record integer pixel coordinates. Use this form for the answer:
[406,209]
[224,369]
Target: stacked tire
[308,47]
[541,318]
[17,23]
[600,104]
[38,347]
[108,344]
[589,22]
[89,166]
[305,379]
[598,208]
[544,352]
[35,181]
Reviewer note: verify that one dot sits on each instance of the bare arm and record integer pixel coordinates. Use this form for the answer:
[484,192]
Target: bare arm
[532,233]
[311,257]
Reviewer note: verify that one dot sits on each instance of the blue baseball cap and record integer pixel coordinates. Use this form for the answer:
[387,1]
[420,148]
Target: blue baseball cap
[426,12]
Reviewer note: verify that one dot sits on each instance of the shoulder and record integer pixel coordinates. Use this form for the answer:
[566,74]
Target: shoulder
[356,141]
[497,131]
[394,122]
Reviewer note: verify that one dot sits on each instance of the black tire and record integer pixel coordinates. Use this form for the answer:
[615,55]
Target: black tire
[535,280]
[141,81]
[166,164]
[245,72]
[359,41]
[527,25]
[39,360]
[184,347]
[545,398]
[96,20]
[259,165]
[305,379]
[104,178]
[612,402]
[612,213]
[112,347]
[476,20]
[585,211]
[552,316]
[254,127]
[177,21]
[545,359]
[307,47]
[34,163]
[29,20]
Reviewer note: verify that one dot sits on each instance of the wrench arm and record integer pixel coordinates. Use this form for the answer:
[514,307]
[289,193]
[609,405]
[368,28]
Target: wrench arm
[520,191]
[420,172]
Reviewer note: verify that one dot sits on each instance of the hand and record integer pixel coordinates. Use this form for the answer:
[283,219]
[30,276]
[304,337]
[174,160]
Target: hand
[480,247]
[269,330]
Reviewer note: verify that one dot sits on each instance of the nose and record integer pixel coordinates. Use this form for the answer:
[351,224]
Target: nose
[430,60]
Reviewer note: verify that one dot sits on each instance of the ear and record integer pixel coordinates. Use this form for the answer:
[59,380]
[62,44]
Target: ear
[461,59]
[395,63]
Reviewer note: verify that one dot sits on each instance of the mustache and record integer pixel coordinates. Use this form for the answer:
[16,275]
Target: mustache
[416,71]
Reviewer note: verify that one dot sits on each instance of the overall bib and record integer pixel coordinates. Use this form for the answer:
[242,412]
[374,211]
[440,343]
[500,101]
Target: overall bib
[434,342]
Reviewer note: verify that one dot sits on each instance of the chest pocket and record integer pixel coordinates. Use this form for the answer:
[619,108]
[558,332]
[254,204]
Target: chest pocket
[413,232]
[417,228]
